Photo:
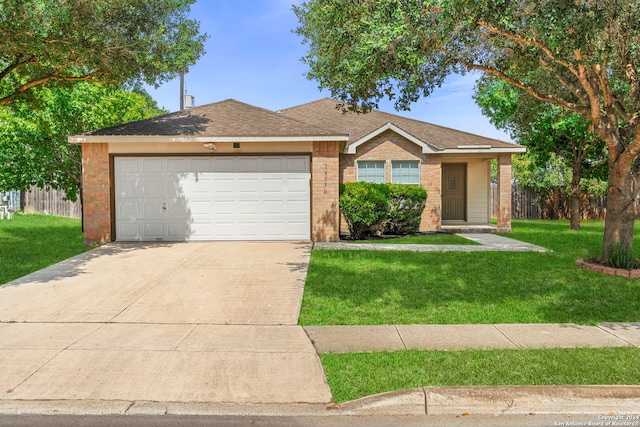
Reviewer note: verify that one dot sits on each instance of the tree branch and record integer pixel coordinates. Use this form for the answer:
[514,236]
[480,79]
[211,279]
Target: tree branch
[528,89]
[524,41]
[19,62]
[52,77]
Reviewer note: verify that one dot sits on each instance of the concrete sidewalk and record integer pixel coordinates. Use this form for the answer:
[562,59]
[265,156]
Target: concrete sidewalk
[345,339]
[487,242]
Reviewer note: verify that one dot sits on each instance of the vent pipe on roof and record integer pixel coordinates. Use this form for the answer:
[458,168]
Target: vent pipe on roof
[186,101]
[189,101]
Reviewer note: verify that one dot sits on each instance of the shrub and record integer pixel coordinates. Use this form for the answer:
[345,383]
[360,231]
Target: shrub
[365,206]
[620,255]
[376,208]
[406,203]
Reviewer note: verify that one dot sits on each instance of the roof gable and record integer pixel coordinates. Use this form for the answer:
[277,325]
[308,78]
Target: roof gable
[351,148]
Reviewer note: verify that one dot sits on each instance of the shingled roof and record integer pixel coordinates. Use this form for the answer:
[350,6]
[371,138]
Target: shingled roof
[325,114]
[318,120]
[229,118]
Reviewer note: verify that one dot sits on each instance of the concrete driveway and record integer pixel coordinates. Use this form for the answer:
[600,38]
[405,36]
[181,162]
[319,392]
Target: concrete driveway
[211,322]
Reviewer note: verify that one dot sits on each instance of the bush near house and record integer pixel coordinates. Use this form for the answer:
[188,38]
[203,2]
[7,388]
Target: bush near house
[371,209]
[406,203]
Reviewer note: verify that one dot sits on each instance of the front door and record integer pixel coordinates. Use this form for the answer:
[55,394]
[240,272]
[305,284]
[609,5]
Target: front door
[454,191]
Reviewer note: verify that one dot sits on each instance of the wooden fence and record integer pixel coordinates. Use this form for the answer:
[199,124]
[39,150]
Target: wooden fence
[526,204]
[50,202]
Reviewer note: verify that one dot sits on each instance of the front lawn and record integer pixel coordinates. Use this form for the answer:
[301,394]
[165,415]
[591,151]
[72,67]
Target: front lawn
[31,242]
[355,375]
[381,287]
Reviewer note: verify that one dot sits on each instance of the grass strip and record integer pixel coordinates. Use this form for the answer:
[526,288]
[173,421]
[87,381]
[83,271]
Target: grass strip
[31,242]
[355,375]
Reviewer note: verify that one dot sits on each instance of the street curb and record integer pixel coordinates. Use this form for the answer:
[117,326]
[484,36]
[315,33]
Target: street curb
[598,400]
[604,400]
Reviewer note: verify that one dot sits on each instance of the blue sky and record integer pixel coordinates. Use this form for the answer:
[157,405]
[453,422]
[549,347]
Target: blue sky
[253,56]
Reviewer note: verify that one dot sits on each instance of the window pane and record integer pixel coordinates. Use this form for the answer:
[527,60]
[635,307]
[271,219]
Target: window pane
[405,172]
[370,171]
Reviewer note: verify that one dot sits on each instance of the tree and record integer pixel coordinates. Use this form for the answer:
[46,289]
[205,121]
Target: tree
[115,41]
[581,55]
[546,130]
[34,130]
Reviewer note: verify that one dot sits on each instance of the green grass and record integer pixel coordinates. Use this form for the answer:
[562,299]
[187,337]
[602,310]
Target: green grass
[381,287]
[354,375]
[29,243]
[423,239]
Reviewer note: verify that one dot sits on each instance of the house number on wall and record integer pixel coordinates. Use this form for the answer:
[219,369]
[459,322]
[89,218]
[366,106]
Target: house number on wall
[326,178]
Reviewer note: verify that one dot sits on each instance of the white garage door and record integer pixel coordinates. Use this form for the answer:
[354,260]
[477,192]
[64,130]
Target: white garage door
[212,198]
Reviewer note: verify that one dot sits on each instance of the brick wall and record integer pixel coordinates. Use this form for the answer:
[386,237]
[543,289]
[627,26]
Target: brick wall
[325,176]
[431,178]
[504,193]
[96,193]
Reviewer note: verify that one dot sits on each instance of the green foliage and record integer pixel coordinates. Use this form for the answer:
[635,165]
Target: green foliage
[406,203]
[365,207]
[562,157]
[620,255]
[116,41]
[34,130]
[381,208]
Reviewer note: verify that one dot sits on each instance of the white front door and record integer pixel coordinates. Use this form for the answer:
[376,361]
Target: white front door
[212,198]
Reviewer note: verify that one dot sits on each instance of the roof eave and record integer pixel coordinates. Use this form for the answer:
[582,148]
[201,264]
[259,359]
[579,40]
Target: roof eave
[514,150]
[94,139]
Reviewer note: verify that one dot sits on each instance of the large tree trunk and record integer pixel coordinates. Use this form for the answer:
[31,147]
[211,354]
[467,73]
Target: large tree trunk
[621,204]
[575,208]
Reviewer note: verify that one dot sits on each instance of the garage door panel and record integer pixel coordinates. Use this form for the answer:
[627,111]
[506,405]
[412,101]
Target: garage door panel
[127,165]
[128,209]
[177,164]
[223,185]
[297,164]
[178,230]
[153,231]
[152,209]
[201,208]
[298,185]
[223,164]
[129,231]
[248,164]
[153,186]
[249,207]
[151,165]
[298,207]
[279,165]
[247,185]
[213,198]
